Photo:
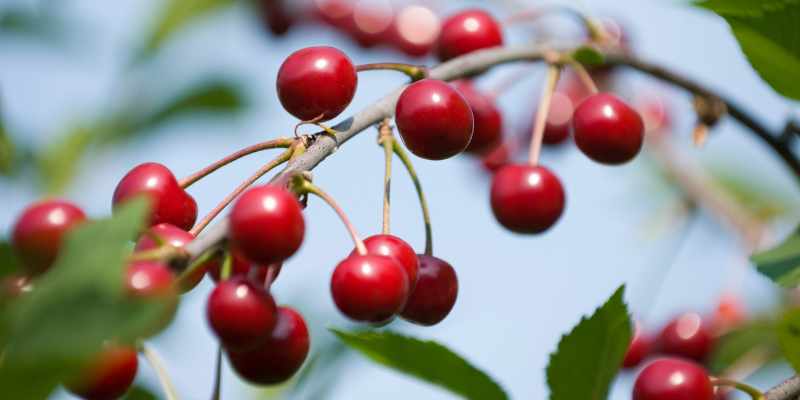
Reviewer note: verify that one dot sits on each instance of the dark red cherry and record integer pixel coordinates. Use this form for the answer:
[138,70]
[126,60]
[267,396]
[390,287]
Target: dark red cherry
[169,203]
[497,158]
[416,29]
[107,376]
[488,121]
[241,313]
[275,16]
[435,292]
[673,379]
[369,288]
[266,224]
[176,237]
[639,348]
[394,247]
[316,82]
[240,266]
[687,336]
[526,199]
[149,279]
[39,232]
[434,120]
[607,130]
[467,31]
[280,356]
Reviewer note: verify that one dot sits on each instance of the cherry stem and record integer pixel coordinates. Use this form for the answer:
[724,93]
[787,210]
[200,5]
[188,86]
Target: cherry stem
[308,187]
[239,189]
[269,144]
[155,361]
[227,266]
[164,252]
[415,72]
[270,276]
[217,375]
[426,217]
[197,263]
[553,72]
[584,76]
[754,393]
[385,140]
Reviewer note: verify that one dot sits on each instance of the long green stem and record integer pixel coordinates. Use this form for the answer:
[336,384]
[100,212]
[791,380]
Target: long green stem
[308,187]
[553,71]
[270,144]
[187,273]
[754,393]
[426,217]
[385,140]
[415,72]
[227,266]
[163,377]
[584,76]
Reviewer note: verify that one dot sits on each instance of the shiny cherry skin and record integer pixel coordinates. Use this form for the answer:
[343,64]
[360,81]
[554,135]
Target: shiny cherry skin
[39,232]
[687,336]
[241,313]
[369,288]
[316,82]
[639,349]
[280,356]
[241,266]
[394,247]
[488,122]
[434,120]
[108,375]
[266,224]
[673,379]
[526,199]
[169,203]
[607,129]
[435,293]
[149,279]
[175,237]
[467,31]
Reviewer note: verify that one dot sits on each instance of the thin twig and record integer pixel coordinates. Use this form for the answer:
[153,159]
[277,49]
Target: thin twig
[155,361]
[385,140]
[309,187]
[426,215]
[217,375]
[584,76]
[553,72]
[269,144]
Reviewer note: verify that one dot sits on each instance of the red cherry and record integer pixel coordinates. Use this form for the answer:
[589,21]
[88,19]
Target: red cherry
[497,158]
[108,375]
[149,279]
[638,349]
[673,379]
[526,199]
[435,293]
[557,128]
[466,32]
[169,203]
[394,247]
[241,313]
[687,336]
[275,16]
[175,237]
[316,82]
[280,356]
[369,288]
[333,12]
[371,23]
[488,123]
[729,314]
[39,232]
[266,224]
[415,30]
[240,266]
[434,120]
[607,130]
[655,114]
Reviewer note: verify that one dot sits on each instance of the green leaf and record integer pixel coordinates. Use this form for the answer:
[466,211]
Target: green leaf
[767,33]
[789,337]
[426,360]
[781,263]
[9,263]
[588,56]
[588,358]
[50,333]
[175,15]
[7,150]
[756,336]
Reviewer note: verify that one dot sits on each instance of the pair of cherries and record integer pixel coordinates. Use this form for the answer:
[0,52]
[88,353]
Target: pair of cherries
[687,336]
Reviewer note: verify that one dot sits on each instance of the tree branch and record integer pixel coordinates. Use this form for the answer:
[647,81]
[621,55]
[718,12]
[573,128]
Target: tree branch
[788,390]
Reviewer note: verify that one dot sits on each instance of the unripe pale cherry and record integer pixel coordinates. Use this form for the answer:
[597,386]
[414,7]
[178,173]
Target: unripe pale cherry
[608,130]
[488,122]
[108,375]
[175,237]
[467,31]
[369,288]
[40,230]
[241,313]
[526,199]
[435,293]
[638,349]
[434,120]
[266,224]
[394,247]
[673,379]
[316,83]
[169,203]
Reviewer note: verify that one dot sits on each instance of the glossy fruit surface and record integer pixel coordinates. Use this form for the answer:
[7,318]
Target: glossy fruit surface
[394,247]
[280,356]
[175,237]
[241,314]
[526,199]
[40,230]
[316,82]
[434,120]
[266,224]
[435,293]
[467,31]
[673,379]
[608,130]
[488,121]
[108,376]
[149,279]
[169,203]
[639,348]
[687,336]
[369,288]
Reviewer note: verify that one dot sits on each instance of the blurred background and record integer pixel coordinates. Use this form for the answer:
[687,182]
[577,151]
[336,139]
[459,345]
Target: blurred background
[89,89]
